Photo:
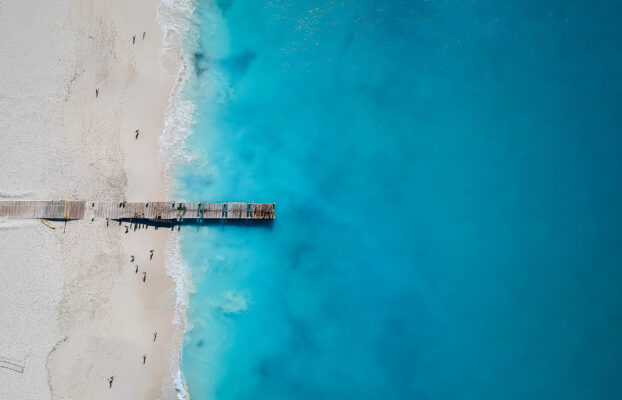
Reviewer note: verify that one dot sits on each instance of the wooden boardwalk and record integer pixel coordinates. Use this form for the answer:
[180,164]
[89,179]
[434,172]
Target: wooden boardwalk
[151,211]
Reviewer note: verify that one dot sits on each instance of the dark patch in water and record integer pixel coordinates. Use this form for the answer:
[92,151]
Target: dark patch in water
[200,62]
[238,64]
[298,254]
[350,38]
[301,335]
[224,5]
[247,156]
[200,343]
[262,368]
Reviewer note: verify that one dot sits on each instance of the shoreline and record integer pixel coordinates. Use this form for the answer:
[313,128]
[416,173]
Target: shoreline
[99,317]
[142,84]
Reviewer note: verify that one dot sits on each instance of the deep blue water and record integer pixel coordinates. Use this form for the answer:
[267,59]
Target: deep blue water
[448,184]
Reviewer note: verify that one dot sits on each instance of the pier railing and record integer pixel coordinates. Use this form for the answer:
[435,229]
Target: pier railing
[148,211]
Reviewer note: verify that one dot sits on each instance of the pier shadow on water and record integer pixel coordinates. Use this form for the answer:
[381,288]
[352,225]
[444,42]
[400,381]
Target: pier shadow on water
[248,223]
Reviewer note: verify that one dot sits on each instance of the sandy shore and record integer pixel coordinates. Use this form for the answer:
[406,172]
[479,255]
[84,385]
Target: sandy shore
[73,309]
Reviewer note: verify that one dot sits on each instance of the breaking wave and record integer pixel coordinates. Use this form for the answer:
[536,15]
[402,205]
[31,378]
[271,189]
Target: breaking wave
[175,17]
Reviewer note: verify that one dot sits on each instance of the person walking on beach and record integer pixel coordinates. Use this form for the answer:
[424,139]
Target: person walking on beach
[144,276]
[144,33]
[96,92]
[133,39]
[131,258]
[136,269]
[110,381]
[150,254]
[144,358]
[155,335]
[137,132]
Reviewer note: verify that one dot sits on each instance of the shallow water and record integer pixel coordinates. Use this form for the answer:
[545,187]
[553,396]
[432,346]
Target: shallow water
[447,180]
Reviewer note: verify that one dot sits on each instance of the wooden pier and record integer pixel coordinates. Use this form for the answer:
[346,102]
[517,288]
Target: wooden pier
[166,212]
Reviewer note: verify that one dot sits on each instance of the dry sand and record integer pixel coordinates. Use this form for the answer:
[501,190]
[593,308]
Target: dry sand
[73,312]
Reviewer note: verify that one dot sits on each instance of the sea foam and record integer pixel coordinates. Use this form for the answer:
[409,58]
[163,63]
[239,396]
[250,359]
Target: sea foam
[175,17]
[176,269]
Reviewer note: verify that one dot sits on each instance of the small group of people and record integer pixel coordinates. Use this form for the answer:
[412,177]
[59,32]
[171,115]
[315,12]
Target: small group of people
[111,379]
[133,42]
[155,334]
[134,37]
[151,252]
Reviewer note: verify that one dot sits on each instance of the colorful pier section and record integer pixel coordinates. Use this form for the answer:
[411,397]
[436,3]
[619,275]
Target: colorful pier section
[166,212]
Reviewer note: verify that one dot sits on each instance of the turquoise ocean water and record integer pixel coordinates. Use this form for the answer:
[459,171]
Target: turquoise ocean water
[448,184]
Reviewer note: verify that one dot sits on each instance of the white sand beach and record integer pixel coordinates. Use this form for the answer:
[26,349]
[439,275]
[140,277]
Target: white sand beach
[74,311]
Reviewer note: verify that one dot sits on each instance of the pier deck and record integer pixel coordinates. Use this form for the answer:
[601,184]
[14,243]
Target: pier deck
[148,211]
